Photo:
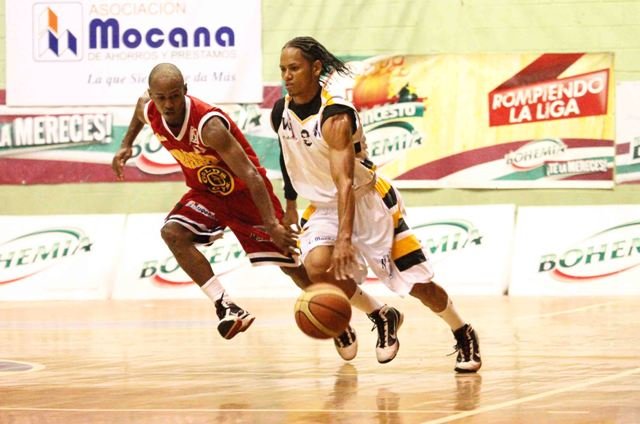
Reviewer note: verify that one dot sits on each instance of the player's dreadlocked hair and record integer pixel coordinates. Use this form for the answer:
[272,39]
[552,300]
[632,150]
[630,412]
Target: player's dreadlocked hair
[312,50]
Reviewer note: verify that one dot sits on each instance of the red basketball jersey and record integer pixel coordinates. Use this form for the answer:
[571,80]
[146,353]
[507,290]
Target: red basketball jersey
[203,168]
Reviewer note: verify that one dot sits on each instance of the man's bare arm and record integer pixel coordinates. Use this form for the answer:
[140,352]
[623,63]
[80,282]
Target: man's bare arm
[336,131]
[217,136]
[135,126]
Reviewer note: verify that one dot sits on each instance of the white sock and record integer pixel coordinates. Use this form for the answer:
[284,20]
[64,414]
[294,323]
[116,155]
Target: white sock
[364,302]
[451,317]
[213,289]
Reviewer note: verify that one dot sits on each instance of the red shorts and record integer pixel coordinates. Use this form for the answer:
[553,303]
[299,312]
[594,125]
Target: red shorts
[207,215]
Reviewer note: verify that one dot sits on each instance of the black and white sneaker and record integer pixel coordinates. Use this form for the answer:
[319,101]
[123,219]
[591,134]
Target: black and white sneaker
[233,319]
[387,320]
[468,348]
[347,344]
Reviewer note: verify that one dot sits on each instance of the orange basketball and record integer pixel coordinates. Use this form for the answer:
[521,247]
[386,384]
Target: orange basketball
[322,311]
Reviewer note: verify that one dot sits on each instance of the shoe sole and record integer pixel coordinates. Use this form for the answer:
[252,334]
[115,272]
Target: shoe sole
[386,361]
[238,326]
[246,325]
[468,371]
[348,358]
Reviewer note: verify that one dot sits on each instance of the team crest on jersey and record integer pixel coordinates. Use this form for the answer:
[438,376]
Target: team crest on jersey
[218,180]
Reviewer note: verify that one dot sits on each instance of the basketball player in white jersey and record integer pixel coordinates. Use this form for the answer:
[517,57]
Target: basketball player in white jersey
[353,213]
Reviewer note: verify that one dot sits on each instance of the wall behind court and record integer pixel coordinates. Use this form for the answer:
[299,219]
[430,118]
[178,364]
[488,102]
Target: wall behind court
[372,27]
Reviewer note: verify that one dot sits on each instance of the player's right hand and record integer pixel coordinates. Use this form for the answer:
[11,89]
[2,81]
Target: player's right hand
[121,157]
[343,261]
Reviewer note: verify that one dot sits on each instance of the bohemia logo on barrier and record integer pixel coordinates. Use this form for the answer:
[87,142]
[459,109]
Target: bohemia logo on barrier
[452,235]
[32,253]
[225,255]
[57,31]
[536,94]
[440,237]
[443,238]
[605,253]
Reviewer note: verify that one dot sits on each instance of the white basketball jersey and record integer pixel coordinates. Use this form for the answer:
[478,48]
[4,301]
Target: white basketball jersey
[306,154]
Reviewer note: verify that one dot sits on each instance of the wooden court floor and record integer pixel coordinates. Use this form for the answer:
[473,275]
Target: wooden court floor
[546,360]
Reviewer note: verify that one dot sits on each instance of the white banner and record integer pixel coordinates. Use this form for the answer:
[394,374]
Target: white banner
[578,250]
[100,53]
[59,257]
[628,132]
[149,270]
[461,241]
[106,256]
[469,246]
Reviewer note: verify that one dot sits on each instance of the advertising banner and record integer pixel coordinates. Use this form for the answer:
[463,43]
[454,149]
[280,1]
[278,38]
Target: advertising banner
[475,250]
[149,270]
[488,120]
[468,246]
[100,53]
[628,132]
[460,241]
[578,250]
[460,121]
[72,144]
[59,257]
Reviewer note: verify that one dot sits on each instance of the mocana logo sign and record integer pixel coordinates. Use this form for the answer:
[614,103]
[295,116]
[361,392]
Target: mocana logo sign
[57,31]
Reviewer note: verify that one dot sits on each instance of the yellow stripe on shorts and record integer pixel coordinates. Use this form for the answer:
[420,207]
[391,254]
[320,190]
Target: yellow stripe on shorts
[307,214]
[407,252]
[405,246]
[385,191]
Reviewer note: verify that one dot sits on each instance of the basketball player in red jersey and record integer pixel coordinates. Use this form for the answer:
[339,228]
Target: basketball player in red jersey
[227,188]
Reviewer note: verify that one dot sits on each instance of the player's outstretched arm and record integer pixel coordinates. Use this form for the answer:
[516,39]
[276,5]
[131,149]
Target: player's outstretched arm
[135,126]
[216,135]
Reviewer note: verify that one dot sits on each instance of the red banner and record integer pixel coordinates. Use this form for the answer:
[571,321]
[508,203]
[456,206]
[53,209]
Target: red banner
[545,100]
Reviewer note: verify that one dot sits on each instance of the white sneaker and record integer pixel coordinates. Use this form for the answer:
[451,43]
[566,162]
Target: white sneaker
[347,344]
[387,320]
[468,348]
